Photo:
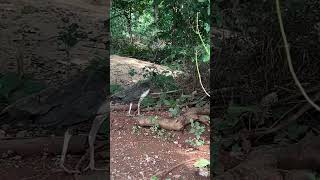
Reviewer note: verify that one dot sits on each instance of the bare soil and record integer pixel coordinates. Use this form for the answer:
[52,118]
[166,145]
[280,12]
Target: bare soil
[142,155]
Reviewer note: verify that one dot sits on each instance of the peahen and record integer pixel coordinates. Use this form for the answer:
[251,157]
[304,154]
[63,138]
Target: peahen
[133,94]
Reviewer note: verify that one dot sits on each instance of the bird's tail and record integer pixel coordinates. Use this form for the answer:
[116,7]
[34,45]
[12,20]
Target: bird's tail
[117,96]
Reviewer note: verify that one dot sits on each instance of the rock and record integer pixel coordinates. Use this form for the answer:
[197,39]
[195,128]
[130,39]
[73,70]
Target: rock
[17,157]
[203,172]
[5,127]
[20,124]
[21,134]
[4,155]
[2,134]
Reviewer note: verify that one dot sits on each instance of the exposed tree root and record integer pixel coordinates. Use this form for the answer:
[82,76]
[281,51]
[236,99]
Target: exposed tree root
[51,145]
[178,123]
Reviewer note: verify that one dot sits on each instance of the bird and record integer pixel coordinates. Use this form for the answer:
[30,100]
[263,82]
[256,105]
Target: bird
[64,107]
[99,118]
[97,122]
[133,94]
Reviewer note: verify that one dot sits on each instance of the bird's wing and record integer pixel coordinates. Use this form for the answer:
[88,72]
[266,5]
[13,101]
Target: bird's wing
[132,92]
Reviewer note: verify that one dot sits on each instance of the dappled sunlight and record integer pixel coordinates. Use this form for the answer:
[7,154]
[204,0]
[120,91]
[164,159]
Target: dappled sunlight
[203,152]
[120,67]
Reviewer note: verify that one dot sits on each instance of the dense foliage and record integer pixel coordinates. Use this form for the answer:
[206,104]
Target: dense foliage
[249,56]
[161,31]
[255,49]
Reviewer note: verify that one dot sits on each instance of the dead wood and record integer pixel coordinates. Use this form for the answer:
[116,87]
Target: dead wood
[123,107]
[176,124]
[293,97]
[290,118]
[51,145]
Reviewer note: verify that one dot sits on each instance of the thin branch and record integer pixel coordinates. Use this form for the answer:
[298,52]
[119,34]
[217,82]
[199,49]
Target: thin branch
[196,58]
[167,92]
[290,61]
[164,172]
[197,65]
[198,32]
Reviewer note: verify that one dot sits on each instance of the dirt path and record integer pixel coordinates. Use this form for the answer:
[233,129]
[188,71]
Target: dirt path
[139,156]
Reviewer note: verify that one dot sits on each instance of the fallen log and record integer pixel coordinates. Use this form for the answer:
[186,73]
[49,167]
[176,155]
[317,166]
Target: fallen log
[51,145]
[177,123]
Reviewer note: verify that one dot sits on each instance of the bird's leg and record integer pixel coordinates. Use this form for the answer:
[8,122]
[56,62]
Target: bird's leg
[97,122]
[67,137]
[139,106]
[143,95]
[129,112]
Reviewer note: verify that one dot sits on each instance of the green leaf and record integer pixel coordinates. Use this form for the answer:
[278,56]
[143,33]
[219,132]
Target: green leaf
[154,178]
[205,58]
[153,119]
[132,72]
[114,88]
[166,102]
[206,27]
[148,102]
[201,163]
[174,111]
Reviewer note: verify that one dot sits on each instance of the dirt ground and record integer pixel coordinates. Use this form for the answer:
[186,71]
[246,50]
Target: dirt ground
[140,155]
[134,155]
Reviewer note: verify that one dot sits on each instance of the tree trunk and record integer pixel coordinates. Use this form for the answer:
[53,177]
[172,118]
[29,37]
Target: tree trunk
[155,12]
[128,16]
[174,24]
[19,58]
